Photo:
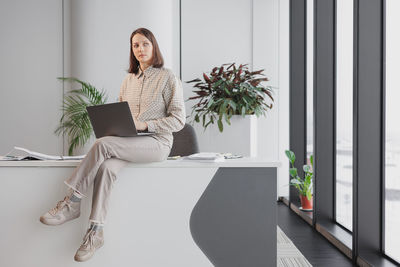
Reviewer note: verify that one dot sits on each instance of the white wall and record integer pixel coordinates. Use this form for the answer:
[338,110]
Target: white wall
[30,62]
[224,35]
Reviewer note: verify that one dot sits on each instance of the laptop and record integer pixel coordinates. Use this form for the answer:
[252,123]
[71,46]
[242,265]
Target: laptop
[113,119]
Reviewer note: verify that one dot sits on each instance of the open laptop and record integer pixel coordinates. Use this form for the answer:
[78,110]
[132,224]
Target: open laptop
[113,119]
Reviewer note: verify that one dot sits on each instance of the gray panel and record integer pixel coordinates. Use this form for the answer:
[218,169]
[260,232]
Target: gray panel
[368,129]
[324,92]
[298,68]
[234,221]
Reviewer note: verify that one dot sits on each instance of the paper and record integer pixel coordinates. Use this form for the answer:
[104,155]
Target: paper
[206,157]
[32,155]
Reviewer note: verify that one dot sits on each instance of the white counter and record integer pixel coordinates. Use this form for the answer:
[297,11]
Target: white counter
[180,163]
[148,223]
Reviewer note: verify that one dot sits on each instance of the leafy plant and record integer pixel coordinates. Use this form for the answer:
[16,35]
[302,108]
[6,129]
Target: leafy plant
[227,92]
[75,120]
[303,185]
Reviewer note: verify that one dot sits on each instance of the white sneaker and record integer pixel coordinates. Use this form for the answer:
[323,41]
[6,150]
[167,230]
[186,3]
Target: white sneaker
[65,210]
[92,241]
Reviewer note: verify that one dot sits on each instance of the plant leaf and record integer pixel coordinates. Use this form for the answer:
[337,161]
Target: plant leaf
[220,126]
[306,168]
[293,172]
[290,156]
[295,181]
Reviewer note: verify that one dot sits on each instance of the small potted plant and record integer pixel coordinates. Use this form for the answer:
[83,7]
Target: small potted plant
[304,186]
[229,91]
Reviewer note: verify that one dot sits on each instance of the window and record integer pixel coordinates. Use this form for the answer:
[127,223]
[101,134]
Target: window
[344,113]
[310,82]
[392,146]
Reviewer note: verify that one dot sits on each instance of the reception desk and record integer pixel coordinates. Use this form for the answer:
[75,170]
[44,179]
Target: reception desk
[173,213]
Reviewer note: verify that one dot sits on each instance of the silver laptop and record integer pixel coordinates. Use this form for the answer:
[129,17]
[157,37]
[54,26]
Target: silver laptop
[113,119]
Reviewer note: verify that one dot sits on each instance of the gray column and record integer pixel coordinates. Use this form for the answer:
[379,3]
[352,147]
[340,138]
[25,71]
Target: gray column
[298,86]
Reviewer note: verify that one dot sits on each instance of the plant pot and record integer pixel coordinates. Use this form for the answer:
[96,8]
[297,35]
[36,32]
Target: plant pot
[305,203]
[238,138]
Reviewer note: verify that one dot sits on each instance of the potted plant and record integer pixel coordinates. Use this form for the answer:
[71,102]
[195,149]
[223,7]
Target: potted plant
[229,91]
[75,120]
[304,186]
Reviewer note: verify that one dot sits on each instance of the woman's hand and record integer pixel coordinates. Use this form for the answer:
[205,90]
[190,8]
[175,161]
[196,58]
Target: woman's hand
[140,125]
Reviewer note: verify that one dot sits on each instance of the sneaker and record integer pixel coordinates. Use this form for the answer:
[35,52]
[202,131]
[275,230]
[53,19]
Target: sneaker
[65,210]
[92,241]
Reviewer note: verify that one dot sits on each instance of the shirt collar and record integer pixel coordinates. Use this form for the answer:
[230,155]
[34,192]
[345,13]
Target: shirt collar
[147,72]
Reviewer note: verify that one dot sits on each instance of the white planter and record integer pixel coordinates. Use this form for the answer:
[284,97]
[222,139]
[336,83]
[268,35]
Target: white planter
[238,138]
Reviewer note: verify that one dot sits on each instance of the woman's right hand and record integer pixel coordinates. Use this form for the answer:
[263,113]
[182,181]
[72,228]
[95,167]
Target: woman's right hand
[140,125]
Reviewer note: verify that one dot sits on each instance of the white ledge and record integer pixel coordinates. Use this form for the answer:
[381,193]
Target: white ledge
[242,162]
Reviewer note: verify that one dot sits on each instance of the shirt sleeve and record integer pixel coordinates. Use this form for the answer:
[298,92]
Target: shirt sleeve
[176,115]
[123,88]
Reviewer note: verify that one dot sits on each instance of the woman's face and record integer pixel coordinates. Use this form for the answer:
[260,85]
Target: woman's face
[142,49]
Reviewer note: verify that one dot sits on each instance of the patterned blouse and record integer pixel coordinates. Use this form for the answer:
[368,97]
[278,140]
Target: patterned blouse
[155,96]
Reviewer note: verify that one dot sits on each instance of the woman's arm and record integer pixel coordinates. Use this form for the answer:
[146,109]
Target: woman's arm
[141,126]
[176,115]
[122,88]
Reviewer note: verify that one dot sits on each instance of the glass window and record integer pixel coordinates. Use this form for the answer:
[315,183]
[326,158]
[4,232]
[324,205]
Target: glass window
[344,113]
[310,75]
[392,153]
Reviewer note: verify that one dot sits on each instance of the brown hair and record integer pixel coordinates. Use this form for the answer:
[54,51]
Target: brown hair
[157,61]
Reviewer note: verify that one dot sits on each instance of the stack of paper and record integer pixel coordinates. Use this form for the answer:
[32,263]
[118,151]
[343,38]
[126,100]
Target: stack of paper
[38,156]
[206,157]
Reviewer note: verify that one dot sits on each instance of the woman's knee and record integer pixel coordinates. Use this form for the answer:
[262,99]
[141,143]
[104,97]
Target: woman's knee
[102,141]
[103,145]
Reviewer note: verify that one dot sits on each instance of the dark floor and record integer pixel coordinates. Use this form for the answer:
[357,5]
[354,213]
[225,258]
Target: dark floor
[317,250]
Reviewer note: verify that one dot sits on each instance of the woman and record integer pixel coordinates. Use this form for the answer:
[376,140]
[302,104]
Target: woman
[155,98]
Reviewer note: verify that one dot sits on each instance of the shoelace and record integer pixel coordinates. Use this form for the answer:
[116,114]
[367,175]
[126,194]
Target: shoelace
[60,205]
[88,239]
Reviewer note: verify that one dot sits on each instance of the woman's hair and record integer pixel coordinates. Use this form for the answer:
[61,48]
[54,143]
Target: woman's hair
[157,61]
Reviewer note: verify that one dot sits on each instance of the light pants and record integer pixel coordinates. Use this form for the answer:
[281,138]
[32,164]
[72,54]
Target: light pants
[106,157]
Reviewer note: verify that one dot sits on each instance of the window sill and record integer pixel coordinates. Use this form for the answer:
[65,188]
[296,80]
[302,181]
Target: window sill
[375,259]
[339,237]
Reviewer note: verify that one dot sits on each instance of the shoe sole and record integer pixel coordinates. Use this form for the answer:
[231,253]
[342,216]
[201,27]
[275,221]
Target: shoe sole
[43,220]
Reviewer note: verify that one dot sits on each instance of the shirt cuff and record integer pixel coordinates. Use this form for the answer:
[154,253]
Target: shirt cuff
[151,127]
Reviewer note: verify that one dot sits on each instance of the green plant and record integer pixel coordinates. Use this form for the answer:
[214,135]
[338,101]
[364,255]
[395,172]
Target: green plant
[228,92]
[303,185]
[75,120]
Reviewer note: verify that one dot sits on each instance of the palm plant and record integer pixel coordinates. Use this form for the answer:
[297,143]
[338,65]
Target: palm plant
[75,120]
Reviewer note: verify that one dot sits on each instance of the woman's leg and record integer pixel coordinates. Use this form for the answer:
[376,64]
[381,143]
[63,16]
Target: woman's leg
[133,149]
[102,186]
[121,150]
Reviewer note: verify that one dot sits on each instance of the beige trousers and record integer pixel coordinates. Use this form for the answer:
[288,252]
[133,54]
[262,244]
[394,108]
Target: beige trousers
[106,157]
